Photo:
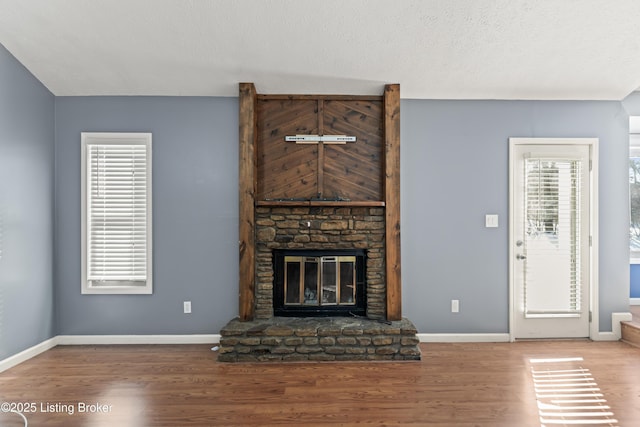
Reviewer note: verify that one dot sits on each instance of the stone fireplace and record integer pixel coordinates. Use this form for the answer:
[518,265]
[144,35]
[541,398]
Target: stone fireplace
[319,232]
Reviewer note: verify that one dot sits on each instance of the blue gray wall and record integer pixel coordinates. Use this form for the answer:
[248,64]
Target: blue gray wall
[195,215]
[26,208]
[455,170]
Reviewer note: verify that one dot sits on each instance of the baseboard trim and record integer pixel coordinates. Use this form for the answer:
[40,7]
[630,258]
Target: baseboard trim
[137,339]
[27,354]
[607,336]
[616,329]
[215,339]
[37,349]
[433,338]
[634,301]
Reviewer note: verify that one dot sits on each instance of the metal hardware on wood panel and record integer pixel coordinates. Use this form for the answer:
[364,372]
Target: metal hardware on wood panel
[315,139]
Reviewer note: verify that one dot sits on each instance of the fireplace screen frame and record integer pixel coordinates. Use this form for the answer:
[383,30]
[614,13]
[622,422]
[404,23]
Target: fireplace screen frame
[305,295]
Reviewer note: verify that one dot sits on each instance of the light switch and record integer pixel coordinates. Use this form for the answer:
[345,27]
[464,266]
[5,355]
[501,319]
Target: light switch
[491,221]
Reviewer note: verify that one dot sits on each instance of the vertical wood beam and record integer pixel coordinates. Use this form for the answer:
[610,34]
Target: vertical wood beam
[320,192]
[392,200]
[248,101]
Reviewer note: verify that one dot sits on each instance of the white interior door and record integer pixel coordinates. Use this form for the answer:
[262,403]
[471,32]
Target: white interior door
[550,239]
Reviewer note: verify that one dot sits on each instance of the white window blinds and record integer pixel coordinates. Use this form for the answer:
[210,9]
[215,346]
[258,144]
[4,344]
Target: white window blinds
[552,240]
[118,211]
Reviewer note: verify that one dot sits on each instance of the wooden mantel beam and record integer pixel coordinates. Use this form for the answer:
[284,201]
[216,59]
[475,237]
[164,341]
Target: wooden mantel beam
[392,200]
[247,187]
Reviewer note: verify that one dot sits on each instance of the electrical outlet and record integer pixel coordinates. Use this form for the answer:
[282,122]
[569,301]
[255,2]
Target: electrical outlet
[187,307]
[455,306]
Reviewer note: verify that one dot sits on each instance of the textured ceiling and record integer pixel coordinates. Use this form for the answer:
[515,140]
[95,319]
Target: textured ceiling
[437,49]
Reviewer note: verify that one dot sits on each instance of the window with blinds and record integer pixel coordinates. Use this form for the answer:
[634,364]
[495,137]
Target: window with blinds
[552,239]
[116,207]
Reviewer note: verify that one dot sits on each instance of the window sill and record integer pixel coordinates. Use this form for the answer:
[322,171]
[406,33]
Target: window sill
[117,290]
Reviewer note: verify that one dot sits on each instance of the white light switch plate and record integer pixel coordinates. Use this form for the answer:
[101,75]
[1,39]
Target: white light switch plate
[491,221]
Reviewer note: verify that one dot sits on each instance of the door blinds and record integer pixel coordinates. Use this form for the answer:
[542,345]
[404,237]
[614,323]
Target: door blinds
[552,239]
[117,213]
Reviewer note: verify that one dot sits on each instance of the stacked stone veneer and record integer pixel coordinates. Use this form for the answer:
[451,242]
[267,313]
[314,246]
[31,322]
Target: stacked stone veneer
[318,339]
[323,228]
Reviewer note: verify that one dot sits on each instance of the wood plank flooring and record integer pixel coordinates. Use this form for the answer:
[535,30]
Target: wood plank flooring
[454,385]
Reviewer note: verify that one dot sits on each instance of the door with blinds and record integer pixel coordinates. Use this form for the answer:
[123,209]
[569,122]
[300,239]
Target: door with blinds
[550,238]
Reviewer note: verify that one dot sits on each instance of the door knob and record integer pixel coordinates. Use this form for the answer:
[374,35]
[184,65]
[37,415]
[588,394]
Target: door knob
[520,257]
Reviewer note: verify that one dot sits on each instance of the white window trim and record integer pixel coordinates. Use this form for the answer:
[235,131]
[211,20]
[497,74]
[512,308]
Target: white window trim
[89,287]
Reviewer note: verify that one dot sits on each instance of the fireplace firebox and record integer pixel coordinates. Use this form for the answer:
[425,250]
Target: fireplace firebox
[319,282]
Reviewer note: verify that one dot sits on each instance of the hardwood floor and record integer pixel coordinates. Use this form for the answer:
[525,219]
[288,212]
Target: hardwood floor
[454,385]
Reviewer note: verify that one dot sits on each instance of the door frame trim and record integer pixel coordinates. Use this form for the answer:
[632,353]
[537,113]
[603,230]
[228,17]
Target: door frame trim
[593,144]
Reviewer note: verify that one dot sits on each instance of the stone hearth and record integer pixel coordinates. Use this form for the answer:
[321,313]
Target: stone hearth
[318,339]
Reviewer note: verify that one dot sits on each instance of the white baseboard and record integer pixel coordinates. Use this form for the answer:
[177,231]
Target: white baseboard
[470,338]
[616,328]
[463,337]
[607,336]
[137,339]
[634,301]
[27,354]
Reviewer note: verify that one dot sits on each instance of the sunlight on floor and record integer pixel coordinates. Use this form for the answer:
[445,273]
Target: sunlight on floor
[568,395]
[125,404]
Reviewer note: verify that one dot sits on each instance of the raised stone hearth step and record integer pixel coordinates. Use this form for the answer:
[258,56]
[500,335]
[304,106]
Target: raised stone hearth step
[318,339]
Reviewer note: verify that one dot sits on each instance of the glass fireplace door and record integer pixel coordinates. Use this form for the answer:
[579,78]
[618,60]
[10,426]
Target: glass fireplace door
[320,281]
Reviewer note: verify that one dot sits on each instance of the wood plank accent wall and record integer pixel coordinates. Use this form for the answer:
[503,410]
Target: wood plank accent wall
[247,180]
[354,170]
[392,199]
[349,172]
[285,169]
